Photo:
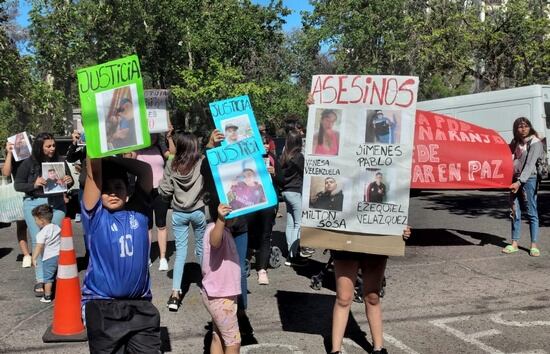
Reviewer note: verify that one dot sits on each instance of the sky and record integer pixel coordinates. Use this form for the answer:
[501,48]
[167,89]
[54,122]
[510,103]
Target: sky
[293,20]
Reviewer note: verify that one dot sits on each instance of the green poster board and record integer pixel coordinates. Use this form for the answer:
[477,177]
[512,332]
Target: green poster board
[113,107]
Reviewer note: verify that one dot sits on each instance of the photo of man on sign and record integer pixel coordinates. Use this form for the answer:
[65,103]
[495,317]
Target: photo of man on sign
[383,127]
[330,197]
[118,109]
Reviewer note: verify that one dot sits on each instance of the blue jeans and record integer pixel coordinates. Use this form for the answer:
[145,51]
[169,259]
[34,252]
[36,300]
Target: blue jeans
[293,202]
[528,194]
[58,215]
[241,242]
[180,225]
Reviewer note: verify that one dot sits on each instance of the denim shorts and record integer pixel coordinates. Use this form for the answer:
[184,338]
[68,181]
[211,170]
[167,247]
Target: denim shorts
[50,268]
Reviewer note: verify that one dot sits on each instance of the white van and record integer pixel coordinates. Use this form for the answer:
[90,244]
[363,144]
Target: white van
[497,110]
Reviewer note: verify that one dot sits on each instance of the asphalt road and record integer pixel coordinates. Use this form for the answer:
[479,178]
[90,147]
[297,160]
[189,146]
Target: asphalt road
[453,292]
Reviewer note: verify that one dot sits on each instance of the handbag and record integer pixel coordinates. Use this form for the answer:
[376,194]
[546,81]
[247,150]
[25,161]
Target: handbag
[11,202]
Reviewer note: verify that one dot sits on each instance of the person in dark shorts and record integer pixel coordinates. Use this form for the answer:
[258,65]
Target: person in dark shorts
[346,265]
[116,293]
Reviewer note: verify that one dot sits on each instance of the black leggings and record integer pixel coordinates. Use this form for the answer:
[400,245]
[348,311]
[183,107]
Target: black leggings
[260,225]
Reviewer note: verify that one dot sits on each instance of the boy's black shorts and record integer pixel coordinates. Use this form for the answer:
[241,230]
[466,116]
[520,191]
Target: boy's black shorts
[120,326]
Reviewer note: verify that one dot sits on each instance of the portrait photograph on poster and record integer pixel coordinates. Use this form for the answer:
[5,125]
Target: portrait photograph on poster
[77,125]
[22,148]
[327,128]
[118,109]
[53,173]
[327,193]
[236,129]
[383,126]
[376,188]
[242,184]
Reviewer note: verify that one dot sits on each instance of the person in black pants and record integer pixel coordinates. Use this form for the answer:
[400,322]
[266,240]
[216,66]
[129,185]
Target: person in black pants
[260,223]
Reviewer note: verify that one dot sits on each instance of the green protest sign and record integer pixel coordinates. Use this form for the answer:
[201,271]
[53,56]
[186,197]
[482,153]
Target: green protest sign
[113,107]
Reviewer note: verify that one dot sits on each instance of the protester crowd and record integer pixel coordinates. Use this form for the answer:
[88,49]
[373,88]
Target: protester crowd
[124,199]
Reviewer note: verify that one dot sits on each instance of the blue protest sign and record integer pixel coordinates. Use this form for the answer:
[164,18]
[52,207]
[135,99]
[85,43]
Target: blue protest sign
[241,177]
[234,117]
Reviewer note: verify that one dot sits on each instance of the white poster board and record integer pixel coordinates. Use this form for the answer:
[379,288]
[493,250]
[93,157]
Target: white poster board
[358,153]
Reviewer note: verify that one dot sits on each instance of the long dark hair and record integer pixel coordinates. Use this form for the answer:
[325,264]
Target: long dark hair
[523,120]
[293,146]
[187,152]
[321,135]
[38,147]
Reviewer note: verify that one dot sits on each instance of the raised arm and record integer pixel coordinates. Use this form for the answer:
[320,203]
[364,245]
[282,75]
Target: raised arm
[92,188]
[6,169]
[216,236]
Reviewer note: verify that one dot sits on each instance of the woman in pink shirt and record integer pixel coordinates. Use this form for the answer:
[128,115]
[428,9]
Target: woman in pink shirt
[221,281]
[327,140]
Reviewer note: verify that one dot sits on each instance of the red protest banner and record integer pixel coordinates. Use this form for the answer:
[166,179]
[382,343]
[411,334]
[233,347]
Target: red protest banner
[452,154]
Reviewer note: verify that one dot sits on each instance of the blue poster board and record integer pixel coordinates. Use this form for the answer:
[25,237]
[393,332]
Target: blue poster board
[241,177]
[235,119]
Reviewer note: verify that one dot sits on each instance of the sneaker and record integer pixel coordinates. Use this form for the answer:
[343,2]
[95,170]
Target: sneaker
[173,303]
[46,299]
[381,351]
[306,252]
[163,264]
[77,218]
[262,277]
[296,261]
[27,262]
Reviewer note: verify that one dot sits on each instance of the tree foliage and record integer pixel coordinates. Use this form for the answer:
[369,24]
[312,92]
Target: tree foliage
[206,50]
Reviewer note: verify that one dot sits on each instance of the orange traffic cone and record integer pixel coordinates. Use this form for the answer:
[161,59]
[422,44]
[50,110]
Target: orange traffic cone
[67,323]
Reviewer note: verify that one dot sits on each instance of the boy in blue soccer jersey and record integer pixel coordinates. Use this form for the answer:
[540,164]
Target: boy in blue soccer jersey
[116,293]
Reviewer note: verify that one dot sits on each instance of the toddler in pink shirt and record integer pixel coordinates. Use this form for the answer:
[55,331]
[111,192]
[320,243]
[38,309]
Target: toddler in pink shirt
[221,281]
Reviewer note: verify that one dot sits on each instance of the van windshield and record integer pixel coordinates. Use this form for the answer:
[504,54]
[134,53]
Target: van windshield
[547,114]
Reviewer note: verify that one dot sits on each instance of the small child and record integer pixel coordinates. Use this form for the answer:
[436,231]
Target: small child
[47,243]
[221,283]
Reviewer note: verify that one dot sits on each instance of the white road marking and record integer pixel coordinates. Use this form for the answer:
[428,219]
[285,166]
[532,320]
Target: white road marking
[398,344]
[473,338]
[497,318]
[387,338]
[290,348]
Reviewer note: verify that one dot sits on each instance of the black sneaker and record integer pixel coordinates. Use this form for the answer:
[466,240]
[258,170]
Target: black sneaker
[381,351]
[307,252]
[173,303]
[296,261]
[46,299]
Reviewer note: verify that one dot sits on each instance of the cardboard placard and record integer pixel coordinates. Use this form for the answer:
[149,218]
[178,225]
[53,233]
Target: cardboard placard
[343,241]
[358,156]
[157,112]
[234,117]
[113,107]
[241,177]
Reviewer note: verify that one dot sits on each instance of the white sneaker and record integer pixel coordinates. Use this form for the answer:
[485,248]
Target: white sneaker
[77,218]
[262,277]
[27,262]
[163,264]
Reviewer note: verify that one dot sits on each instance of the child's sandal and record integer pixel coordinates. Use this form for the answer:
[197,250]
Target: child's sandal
[39,289]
